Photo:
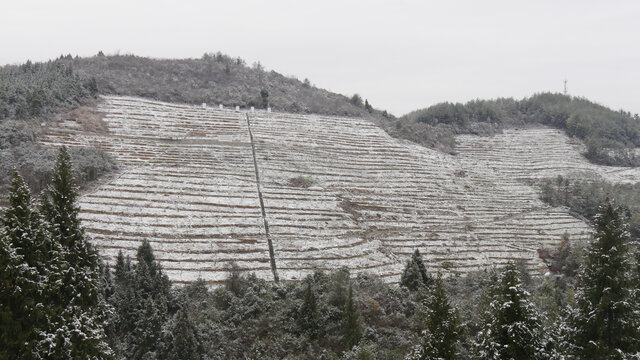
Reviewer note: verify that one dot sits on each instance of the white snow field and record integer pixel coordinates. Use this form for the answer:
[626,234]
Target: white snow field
[187,184]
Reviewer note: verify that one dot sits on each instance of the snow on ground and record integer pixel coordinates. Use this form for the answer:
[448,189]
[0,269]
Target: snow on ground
[538,153]
[187,185]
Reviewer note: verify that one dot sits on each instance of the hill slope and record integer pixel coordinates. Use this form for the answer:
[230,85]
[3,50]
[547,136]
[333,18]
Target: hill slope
[336,192]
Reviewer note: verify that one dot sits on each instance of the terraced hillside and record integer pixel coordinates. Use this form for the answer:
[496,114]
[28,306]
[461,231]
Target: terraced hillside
[537,154]
[336,192]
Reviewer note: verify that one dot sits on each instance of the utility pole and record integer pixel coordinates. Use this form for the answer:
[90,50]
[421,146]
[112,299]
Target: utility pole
[565,88]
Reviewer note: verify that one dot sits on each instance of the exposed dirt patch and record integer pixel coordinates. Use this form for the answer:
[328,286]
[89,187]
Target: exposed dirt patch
[303,182]
[350,208]
[89,118]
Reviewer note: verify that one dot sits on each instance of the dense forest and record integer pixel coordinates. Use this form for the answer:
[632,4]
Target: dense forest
[58,301]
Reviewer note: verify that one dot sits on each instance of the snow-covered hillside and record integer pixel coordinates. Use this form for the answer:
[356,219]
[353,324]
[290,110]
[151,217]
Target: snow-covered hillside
[337,192]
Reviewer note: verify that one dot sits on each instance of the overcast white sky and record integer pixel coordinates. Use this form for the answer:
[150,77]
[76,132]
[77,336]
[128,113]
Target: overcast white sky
[401,55]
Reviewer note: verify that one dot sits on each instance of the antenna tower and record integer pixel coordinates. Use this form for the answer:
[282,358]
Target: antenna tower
[565,88]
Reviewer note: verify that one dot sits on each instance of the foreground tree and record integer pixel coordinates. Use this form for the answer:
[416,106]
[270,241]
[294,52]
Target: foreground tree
[415,273]
[60,209]
[29,277]
[351,329]
[141,298]
[603,324]
[511,328]
[308,313]
[180,340]
[443,327]
[79,330]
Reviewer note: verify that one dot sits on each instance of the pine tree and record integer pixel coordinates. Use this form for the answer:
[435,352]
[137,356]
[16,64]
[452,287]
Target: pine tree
[14,304]
[351,329]
[79,330]
[180,339]
[511,328]
[308,313]
[415,273]
[603,323]
[61,212]
[30,263]
[122,270]
[149,279]
[141,299]
[106,282]
[411,278]
[147,304]
[122,299]
[367,106]
[443,327]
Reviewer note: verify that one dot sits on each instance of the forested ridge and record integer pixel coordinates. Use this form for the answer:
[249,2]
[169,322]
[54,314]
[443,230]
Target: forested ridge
[611,137]
[215,78]
[58,301]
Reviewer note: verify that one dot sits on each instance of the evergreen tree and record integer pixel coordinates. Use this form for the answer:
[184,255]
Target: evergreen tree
[511,328]
[122,270]
[443,327]
[61,212]
[141,300]
[30,263]
[415,273]
[339,288]
[264,95]
[180,339]
[603,323]
[351,329]
[411,278]
[149,279]
[15,279]
[367,106]
[308,313]
[79,330]
[124,303]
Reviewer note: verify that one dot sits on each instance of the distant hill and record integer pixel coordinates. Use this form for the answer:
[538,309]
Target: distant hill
[611,136]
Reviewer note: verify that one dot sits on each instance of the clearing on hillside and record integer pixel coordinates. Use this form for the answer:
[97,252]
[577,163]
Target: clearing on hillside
[336,191]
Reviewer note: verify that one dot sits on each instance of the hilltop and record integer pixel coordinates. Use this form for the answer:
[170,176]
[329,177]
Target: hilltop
[215,78]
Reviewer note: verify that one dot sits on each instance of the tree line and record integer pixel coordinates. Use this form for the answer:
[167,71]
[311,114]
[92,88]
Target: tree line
[59,301]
